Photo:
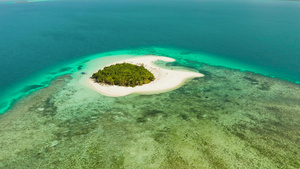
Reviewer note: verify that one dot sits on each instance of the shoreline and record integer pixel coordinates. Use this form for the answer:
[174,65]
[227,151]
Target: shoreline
[165,79]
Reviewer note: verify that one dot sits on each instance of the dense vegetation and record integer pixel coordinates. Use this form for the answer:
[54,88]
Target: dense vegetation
[124,74]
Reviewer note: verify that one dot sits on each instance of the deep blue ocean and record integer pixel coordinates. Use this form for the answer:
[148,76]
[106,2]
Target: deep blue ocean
[38,35]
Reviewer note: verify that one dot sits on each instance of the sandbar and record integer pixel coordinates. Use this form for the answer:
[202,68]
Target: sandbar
[165,79]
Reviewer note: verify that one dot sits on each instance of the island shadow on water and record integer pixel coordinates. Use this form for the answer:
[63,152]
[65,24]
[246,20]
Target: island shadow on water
[228,119]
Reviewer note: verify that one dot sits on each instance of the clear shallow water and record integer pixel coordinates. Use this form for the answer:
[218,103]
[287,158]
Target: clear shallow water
[38,36]
[43,78]
[228,119]
[244,120]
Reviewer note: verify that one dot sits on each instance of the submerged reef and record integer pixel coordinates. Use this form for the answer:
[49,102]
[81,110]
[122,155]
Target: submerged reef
[227,119]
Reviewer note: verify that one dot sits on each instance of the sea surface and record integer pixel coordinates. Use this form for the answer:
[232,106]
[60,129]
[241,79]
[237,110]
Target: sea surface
[243,114]
[38,36]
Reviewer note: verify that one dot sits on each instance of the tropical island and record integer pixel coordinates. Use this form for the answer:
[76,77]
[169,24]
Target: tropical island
[136,75]
[124,74]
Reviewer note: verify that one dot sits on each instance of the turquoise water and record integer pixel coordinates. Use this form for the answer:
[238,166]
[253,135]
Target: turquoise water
[24,1]
[43,78]
[244,113]
[226,119]
[37,37]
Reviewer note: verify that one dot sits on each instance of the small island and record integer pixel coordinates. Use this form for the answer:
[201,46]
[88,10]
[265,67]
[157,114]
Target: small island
[124,74]
[136,75]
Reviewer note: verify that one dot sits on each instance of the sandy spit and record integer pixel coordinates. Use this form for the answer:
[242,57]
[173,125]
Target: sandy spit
[165,79]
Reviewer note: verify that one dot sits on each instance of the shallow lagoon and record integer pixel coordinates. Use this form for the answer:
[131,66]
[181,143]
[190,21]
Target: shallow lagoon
[234,117]
[227,119]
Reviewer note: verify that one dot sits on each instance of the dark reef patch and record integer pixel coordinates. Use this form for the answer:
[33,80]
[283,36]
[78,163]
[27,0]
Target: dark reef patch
[65,69]
[31,88]
[150,114]
[79,67]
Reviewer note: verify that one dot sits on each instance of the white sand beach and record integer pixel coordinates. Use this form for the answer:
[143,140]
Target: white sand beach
[165,79]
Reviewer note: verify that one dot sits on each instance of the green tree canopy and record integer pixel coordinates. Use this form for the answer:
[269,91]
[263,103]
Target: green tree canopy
[124,74]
